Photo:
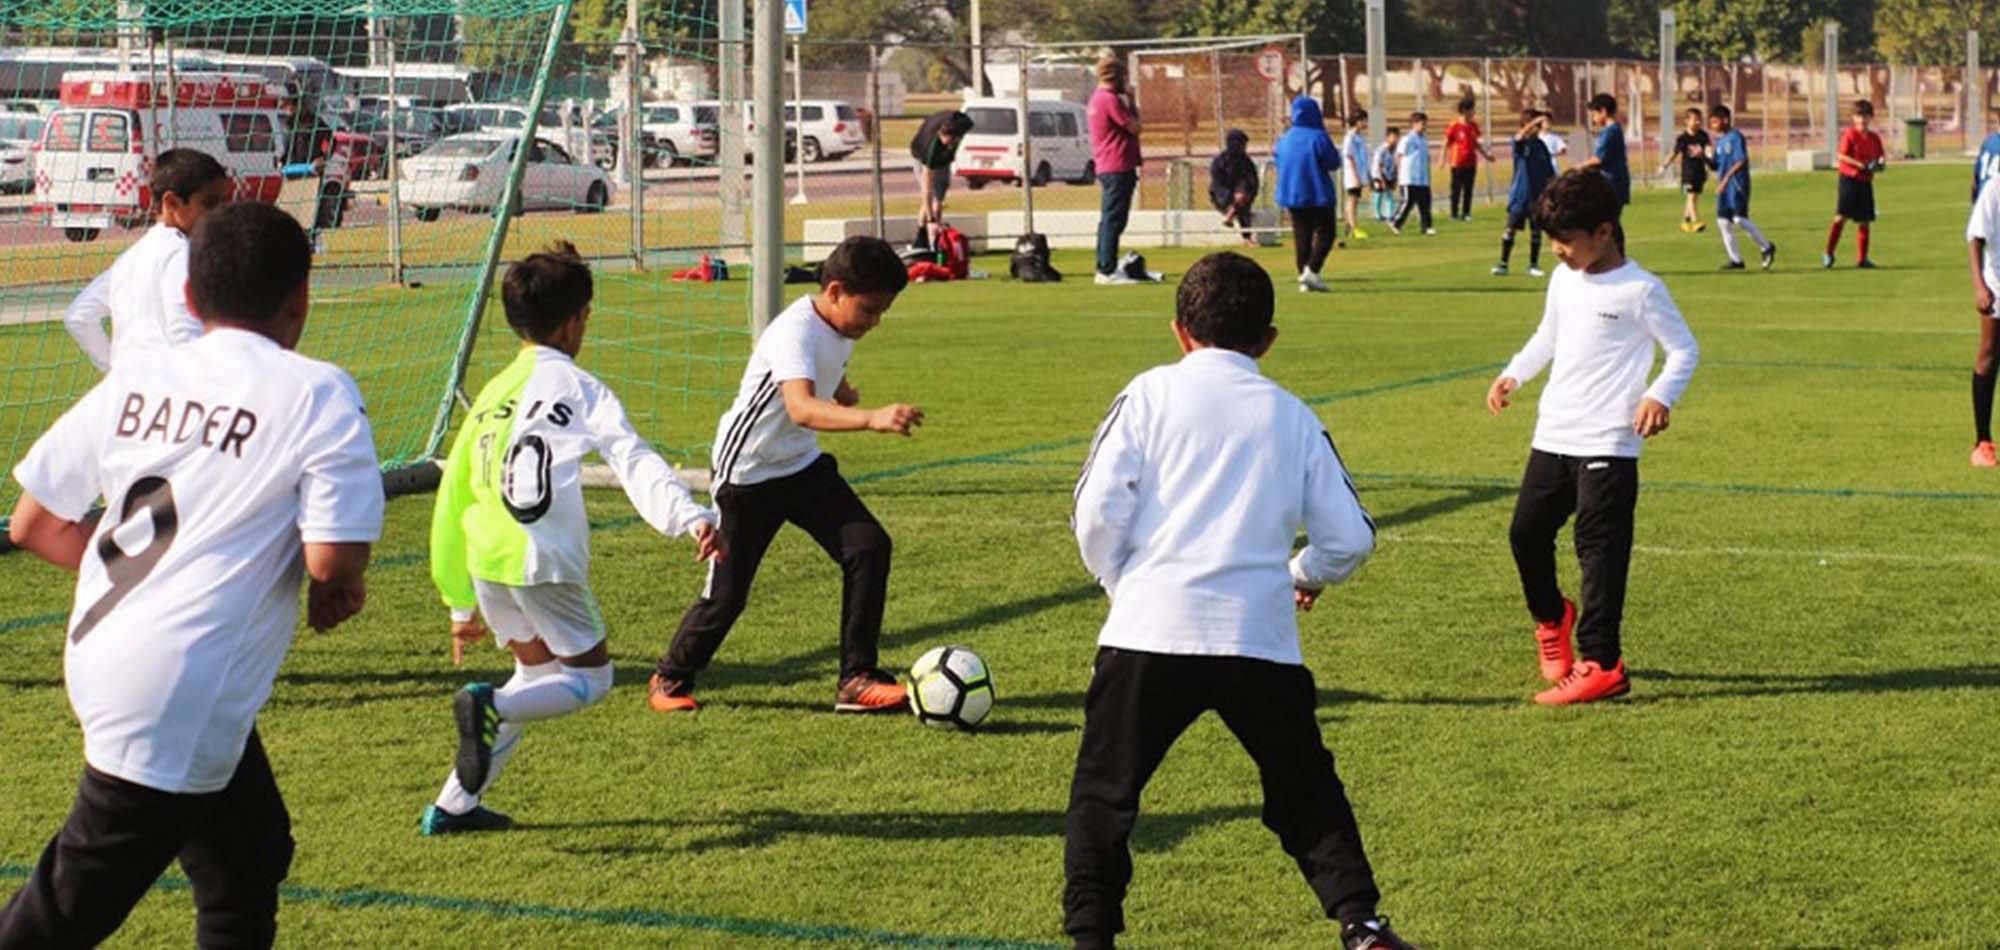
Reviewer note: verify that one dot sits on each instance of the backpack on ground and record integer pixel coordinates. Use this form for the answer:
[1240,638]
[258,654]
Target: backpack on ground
[954,252]
[1030,261]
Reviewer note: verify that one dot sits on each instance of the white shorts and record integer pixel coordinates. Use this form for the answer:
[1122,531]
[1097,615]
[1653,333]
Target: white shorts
[563,616]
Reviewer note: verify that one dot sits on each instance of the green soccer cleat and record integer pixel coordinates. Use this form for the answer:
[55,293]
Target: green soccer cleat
[477,721]
[437,821]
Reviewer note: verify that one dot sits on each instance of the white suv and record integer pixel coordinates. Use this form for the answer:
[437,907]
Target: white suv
[671,133]
[826,129]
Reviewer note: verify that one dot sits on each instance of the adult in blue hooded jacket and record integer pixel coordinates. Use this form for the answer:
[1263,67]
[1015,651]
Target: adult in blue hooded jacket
[1307,160]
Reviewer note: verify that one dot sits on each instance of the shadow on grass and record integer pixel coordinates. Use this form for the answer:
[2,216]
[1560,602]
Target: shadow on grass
[1468,498]
[1155,831]
[1737,685]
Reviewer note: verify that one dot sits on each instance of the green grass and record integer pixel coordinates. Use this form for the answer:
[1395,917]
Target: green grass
[1807,759]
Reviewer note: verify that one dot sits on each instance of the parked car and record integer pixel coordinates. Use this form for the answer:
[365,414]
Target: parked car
[577,137]
[18,134]
[417,127]
[826,130]
[670,133]
[750,130]
[992,151]
[465,172]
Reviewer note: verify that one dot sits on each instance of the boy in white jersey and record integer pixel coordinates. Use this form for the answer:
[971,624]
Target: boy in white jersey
[234,469]
[1193,490]
[510,540]
[769,470]
[1355,168]
[1602,318]
[144,291]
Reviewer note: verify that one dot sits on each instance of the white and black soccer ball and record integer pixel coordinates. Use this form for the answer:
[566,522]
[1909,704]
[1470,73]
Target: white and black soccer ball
[951,687]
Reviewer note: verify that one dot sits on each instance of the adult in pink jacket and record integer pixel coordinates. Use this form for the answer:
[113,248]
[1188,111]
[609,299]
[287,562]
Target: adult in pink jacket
[1114,147]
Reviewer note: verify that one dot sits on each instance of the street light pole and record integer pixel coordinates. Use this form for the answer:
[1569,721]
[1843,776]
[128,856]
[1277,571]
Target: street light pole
[978,54]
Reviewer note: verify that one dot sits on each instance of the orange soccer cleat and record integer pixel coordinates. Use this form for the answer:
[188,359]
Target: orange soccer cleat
[874,691]
[1983,456]
[670,696]
[1587,682]
[1553,641]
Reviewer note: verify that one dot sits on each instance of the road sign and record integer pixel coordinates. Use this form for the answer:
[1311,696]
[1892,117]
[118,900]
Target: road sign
[1271,63]
[795,17]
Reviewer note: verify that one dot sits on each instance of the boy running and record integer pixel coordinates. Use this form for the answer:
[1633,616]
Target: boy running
[1982,236]
[769,470]
[1603,316]
[1691,150]
[144,292]
[1463,149]
[1730,157]
[1355,168]
[510,540]
[234,468]
[1413,172]
[1860,156]
[1531,175]
[1204,590]
[1385,174]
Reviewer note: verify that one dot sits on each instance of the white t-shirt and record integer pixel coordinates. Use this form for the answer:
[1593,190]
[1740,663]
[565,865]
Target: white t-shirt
[1354,158]
[1599,330]
[217,462]
[1199,479]
[757,441]
[1985,224]
[144,292]
[1558,147]
[1413,160]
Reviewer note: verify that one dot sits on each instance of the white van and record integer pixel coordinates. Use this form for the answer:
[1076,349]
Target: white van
[96,152]
[992,150]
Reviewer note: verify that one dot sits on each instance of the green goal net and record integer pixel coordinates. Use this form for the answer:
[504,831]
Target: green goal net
[399,132]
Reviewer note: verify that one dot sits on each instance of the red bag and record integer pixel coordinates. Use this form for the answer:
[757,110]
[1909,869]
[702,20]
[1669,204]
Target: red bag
[954,252]
[922,271]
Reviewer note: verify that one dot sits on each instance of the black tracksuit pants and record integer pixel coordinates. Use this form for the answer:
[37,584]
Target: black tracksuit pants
[1603,493]
[1415,198]
[1461,190]
[1313,231]
[235,846]
[820,501]
[1138,704]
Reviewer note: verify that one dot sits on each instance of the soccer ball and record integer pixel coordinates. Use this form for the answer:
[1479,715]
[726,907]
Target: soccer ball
[950,686]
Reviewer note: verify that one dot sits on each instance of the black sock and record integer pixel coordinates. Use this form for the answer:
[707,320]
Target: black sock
[1982,405]
[1506,248]
[1535,249]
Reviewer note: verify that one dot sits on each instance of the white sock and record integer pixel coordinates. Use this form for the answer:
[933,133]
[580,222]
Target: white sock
[1728,228]
[1755,235]
[453,797]
[552,690]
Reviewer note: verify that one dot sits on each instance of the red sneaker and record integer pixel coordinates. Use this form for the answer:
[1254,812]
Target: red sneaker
[1587,682]
[670,696]
[1553,640]
[870,692]
[1983,456]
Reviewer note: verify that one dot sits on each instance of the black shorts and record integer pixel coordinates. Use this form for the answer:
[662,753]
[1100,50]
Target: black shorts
[1521,221]
[1354,192]
[1857,199]
[1692,184]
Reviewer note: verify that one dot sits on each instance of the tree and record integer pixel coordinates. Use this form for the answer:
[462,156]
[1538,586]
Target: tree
[1932,32]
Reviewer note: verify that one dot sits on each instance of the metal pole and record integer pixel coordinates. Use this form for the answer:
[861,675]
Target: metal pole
[631,150]
[1027,150]
[395,173]
[1975,93]
[1378,108]
[496,240]
[1486,96]
[1669,34]
[978,54]
[875,109]
[799,110]
[729,124]
[1215,76]
[767,185]
[1832,89]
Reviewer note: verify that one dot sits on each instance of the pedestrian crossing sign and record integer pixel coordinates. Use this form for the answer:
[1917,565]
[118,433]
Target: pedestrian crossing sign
[795,16]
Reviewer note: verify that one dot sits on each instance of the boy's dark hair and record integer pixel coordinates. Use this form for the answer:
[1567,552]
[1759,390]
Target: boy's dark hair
[244,263]
[1864,107]
[1466,104]
[1225,300]
[543,290]
[1358,116]
[1580,200]
[1602,102]
[865,265]
[1393,131]
[1530,114]
[183,171]
[1694,111]
[1720,111]
[1416,117]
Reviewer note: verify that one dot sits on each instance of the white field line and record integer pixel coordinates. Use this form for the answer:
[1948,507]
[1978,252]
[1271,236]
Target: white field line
[1499,542]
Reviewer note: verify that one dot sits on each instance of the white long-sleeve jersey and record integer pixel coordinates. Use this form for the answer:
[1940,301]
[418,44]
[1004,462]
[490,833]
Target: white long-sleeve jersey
[144,292]
[1599,331]
[1196,484]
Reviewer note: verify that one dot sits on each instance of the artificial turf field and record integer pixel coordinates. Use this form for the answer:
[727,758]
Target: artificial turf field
[1809,757]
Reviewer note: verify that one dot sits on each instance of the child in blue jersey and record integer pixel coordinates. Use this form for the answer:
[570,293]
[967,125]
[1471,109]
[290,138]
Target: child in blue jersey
[1532,171]
[1988,162]
[1608,156]
[1413,172]
[1731,160]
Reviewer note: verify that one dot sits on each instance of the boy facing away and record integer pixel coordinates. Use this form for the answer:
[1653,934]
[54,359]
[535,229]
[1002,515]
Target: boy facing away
[1384,182]
[769,471]
[1860,156]
[1198,564]
[234,469]
[1354,168]
[510,540]
[1603,316]
[144,291]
